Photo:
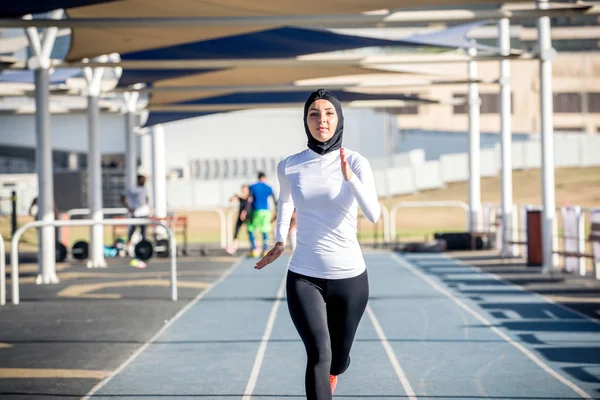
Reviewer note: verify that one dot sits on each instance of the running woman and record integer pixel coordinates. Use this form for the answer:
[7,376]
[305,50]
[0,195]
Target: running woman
[327,284]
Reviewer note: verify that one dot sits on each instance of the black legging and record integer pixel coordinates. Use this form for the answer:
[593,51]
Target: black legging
[326,313]
[238,225]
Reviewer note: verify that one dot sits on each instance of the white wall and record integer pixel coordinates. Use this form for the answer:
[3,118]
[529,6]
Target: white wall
[69,132]
[265,133]
[409,173]
[238,134]
[252,133]
[367,132]
[26,187]
[438,143]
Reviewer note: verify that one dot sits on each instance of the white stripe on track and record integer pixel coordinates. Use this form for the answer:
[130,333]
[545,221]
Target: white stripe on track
[139,351]
[262,349]
[410,393]
[521,288]
[496,330]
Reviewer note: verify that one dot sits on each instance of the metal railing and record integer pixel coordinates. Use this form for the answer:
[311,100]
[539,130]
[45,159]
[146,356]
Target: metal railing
[418,204]
[385,218]
[122,211]
[14,255]
[385,214]
[86,211]
[230,220]
[223,220]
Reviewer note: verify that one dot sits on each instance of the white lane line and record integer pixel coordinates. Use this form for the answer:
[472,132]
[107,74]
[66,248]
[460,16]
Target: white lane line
[410,393]
[161,331]
[522,289]
[499,332]
[262,349]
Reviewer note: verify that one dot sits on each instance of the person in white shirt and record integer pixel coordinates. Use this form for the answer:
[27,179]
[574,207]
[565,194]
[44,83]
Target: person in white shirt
[135,199]
[327,284]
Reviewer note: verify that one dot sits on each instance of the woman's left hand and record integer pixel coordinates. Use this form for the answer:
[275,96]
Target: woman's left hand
[346,171]
[271,256]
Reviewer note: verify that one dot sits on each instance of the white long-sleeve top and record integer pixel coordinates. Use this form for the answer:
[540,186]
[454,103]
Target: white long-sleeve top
[326,212]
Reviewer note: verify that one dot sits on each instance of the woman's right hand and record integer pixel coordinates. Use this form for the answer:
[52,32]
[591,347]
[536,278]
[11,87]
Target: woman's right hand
[271,256]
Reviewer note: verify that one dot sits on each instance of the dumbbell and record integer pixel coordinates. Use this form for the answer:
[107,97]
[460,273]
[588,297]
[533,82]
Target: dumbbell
[162,248]
[80,250]
[143,250]
[60,252]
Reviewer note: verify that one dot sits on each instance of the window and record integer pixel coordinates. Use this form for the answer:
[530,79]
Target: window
[569,129]
[408,110]
[593,102]
[567,103]
[490,104]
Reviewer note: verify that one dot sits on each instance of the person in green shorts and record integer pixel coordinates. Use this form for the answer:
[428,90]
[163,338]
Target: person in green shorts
[261,216]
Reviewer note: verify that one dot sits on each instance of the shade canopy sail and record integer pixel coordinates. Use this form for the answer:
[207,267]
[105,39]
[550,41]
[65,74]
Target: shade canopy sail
[246,76]
[56,77]
[242,101]
[455,36]
[283,42]
[23,7]
[134,76]
[271,43]
[222,42]
[279,43]
[91,42]
[293,97]
[158,117]
[86,41]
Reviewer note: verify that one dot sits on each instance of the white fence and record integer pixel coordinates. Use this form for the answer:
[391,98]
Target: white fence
[26,187]
[407,173]
[399,174]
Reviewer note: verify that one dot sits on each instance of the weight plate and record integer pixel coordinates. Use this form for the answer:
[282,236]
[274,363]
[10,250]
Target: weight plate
[80,250]
[143,250]
[162,248]
[61,252]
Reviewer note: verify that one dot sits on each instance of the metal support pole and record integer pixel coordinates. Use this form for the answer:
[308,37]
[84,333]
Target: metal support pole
[474,148]
[40,63]
[130,151]
[94,79]
[73,161]
[146,152]
[47,258]
[159,172]
[130,100]
[547,54]
[13,202]
[14,253]
[506,140]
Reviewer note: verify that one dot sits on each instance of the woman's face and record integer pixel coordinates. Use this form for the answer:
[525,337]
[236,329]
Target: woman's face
[322,120]
[245,191]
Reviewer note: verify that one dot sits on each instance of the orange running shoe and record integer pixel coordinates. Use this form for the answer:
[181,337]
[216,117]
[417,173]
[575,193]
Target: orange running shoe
[333,379]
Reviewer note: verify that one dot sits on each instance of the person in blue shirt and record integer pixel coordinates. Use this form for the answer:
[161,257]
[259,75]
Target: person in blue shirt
[260,212]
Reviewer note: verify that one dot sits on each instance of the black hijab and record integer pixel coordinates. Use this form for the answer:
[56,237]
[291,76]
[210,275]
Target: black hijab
[335,142]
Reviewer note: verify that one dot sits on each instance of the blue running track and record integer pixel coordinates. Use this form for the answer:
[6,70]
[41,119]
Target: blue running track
[435,329]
